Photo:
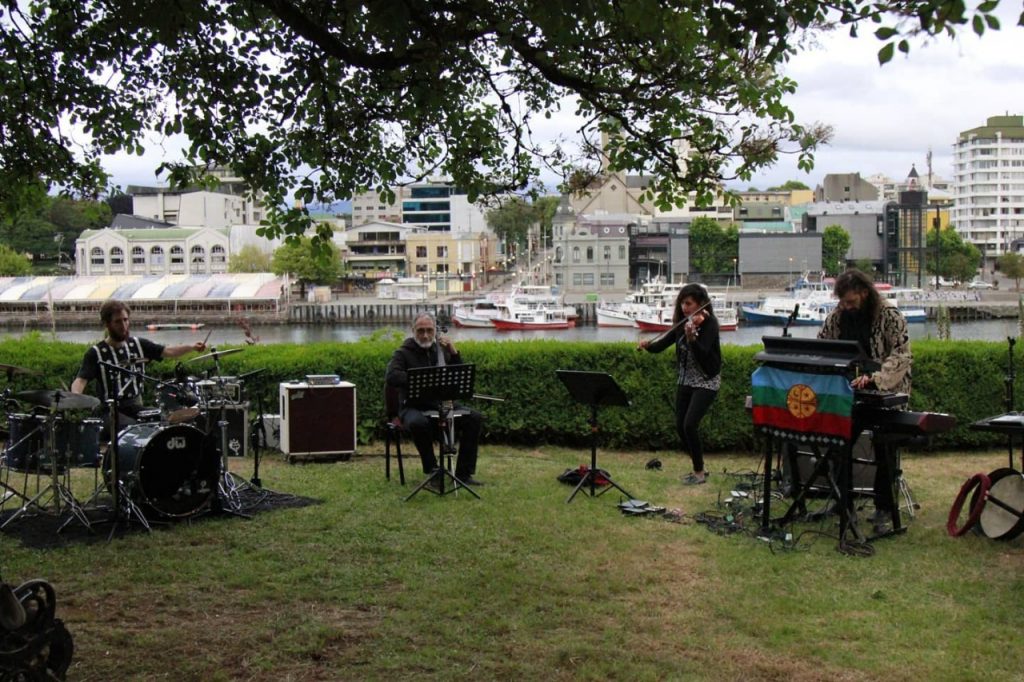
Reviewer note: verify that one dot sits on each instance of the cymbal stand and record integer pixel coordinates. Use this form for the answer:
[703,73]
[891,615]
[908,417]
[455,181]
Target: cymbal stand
[124,508]
[229,485]
[8,492]
[1008,381]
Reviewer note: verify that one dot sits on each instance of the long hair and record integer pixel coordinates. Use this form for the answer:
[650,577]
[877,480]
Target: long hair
[700,296]
[855,280]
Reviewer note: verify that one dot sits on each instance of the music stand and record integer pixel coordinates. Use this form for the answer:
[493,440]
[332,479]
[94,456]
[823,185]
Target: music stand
[593,389]
[442,384]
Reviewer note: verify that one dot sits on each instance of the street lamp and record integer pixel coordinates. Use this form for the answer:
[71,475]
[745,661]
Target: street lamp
[659,267]
[790,269]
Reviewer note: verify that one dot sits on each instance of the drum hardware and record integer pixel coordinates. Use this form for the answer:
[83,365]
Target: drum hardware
[58,486]
[58,399]
[215,354]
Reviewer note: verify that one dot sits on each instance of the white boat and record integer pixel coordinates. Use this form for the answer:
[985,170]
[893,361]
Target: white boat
[529,319]
[808,304]
[478,313]
[641,303]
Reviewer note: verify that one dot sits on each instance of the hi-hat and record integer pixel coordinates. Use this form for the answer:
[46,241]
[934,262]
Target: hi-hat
[14,369]
[215,354]
[62,400]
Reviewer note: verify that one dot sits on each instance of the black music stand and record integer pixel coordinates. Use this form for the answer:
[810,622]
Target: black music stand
[442,384]
[593,389]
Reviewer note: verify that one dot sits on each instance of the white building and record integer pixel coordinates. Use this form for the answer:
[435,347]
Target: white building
[152,251]
[988,177]
[436,206]
[229,204]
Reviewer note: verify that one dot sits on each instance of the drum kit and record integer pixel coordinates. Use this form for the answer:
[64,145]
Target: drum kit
[172,463]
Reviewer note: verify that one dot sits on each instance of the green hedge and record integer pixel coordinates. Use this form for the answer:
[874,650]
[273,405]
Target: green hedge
[962,378]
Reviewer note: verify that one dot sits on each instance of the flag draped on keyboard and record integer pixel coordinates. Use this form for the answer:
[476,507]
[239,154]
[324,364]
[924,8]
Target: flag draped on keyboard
[802,403]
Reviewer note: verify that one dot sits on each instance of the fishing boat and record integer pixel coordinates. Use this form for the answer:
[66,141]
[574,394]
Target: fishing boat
[175,325]
[660,319]
[478,313]
[640,303]
[537,318]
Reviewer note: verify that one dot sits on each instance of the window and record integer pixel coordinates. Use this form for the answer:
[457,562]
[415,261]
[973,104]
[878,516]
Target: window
[558,254]
[116,256]
[138,255]
[588,279]
[218,254]
[607,279]
[421,252]
[156,255]
[607,253]
[622,252]
[575,254]
[177,255]
[421,268]
[442,252]
[97,257]
[198,254]
[577,279]
[590,254]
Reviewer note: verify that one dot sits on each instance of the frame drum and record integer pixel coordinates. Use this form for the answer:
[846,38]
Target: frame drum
[1007,490]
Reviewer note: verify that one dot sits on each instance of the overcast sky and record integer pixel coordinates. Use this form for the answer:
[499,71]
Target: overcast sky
[885,117]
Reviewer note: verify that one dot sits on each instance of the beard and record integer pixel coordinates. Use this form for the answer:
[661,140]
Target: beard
[425,345]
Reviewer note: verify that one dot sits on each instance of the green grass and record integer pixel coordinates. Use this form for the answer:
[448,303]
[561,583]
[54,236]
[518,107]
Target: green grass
[520,585]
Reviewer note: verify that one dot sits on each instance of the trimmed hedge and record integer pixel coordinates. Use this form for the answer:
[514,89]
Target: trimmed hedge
[963,378]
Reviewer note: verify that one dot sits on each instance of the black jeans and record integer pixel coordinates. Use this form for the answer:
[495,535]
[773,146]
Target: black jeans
[424,432]
[691,406]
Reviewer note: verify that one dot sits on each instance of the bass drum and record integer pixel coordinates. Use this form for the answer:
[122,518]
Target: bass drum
[166,468]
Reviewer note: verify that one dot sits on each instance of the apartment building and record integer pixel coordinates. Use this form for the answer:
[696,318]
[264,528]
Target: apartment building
[988,182]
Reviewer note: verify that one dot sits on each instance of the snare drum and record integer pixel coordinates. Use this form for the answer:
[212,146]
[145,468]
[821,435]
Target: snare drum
[166,468]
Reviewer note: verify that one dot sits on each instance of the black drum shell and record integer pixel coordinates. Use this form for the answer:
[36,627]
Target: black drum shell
[169,469]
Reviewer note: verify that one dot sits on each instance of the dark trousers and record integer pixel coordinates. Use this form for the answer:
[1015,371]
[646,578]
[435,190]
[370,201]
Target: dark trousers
[691,406]
[425,431]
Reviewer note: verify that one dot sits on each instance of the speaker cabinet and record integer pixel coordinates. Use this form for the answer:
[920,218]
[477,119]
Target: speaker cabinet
[318,420]
[863,467]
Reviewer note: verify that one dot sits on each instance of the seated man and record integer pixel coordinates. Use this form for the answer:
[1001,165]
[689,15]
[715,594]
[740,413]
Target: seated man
[121,349]
[426,349]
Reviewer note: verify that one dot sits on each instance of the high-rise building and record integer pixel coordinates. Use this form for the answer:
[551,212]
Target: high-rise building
[988,181]
[436,206]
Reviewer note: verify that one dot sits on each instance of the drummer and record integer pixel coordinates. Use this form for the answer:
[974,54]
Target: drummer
[121,349]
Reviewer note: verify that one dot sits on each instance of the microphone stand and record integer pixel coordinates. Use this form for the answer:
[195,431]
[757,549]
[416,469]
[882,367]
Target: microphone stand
[790,320]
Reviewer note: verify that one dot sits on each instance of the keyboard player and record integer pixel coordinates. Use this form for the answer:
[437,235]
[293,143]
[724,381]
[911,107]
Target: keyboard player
[863,316]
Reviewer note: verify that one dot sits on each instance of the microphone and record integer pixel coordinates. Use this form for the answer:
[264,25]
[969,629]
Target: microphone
[789,321]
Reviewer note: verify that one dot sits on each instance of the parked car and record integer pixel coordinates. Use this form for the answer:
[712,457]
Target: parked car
[979,284]
[943,282]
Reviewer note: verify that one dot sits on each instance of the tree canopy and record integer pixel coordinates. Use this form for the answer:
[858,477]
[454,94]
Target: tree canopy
[957,259]
[712,246]
[308,262]
[336,98]
[12,263]
[835,242]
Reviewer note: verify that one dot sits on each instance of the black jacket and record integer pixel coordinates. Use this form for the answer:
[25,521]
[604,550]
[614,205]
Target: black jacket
[410,356]
[706,349]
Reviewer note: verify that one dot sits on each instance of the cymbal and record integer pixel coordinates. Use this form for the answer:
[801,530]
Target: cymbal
[215,354]
[14,369]
[62,400]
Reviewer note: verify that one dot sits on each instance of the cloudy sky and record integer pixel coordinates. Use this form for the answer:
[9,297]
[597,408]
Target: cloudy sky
[885,117]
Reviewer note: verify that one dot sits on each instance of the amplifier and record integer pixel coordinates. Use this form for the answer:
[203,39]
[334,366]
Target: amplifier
[226,387]
[238,426]
[318,420]
[323,379]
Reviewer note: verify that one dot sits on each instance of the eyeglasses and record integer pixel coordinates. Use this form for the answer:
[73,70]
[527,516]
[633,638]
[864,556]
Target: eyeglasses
[424,330]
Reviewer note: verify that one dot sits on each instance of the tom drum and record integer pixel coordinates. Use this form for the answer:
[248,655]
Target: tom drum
[1003,515]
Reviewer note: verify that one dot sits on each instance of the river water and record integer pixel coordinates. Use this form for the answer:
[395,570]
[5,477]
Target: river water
[987,330]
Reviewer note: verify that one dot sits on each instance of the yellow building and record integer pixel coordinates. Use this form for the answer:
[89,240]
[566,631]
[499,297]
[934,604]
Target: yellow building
[450,263]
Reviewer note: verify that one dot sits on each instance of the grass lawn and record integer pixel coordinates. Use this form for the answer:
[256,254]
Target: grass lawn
[520,585]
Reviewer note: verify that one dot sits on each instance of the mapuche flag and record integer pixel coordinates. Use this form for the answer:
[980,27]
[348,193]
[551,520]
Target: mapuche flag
[804,403]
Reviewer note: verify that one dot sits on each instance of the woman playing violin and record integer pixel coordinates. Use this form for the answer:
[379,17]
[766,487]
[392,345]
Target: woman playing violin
[694,332]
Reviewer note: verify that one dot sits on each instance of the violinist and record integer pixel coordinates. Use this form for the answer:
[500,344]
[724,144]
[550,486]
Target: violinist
[695,334]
